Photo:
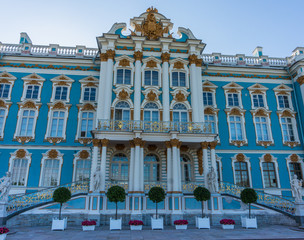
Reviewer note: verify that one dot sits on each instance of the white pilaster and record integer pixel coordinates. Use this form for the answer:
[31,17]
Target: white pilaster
[193,89]
[94,162]
[200,90]
[101,88]
[141,170]
[108,85]
[205,162]
[165,86]
[132,164]
[104,143]
[302,91]
[137,169]
[169,167]
[176,166]
[179,169]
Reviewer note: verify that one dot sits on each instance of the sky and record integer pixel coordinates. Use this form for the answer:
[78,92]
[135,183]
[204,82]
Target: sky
[227,26]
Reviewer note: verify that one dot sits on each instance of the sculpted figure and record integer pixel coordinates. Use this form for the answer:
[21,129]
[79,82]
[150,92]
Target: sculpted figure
[212,180]
[296,187]
[5,186]
[97,180]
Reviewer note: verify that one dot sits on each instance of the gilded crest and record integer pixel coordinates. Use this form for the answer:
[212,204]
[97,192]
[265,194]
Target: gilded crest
[53,154]
[21,153]
[151,64]
[294,158]
[123,95]
[151,96]
[180,97]
[59,105]
[178,65]
[124,63]
[240,157]
[84,154]
[267,157]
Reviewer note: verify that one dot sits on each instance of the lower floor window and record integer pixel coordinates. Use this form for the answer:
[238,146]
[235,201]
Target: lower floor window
[83,169]
[19,172]
[50,174]
[241,174]
[186,168]
[119,167]
[295,169]
[269,174]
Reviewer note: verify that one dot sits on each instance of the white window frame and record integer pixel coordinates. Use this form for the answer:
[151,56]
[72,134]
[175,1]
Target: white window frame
[246,160]
[283,90]
[268,122]
[294,128]
[185,70]
[264,100]
[300,161]
[19,122]
[242,126]
[49,125]
[157,68]
[219,161]
[89,82]
[233,88]
[186,78]
[239,100]
[79,123]
[8,98]
[83,91]
[118,66]
[77,158]
[32,80]
[4,121]
[61,81]
[215,121]
[131,76]
[258,89]
[276,167]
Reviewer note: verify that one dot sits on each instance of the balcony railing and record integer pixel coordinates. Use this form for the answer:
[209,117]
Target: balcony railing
[154,127]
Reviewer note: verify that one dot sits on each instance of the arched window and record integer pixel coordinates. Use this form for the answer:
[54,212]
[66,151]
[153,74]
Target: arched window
[180,113]
[151,168]
[122,111]
[119,167]
[83,169]
[178,79]
[123,76]
[186,169]
[19,172]
[151,113]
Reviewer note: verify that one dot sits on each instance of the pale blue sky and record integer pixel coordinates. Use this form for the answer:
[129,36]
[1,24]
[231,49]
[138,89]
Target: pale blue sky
[226,26]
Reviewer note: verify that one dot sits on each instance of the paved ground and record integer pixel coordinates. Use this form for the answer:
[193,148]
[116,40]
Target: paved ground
[102,233]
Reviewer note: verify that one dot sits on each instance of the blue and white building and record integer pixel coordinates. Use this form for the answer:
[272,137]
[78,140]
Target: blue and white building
[148,109]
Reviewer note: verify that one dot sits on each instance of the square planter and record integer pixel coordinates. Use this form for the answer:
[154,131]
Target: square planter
[181,227]
[115,224]
[2,236]
[59,224]
[136,227]
[228,226]
[157,223]
[250,223]
[202,222]
[88,228]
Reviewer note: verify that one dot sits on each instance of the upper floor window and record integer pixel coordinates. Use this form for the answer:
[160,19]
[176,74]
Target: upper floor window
[288,131]
[151,113]
[151,78]
[61,93]
[178,79]
[122,111]
[208,98]
[89,94]
[258,100]
[19,172]
[295,169]
[210,121]
[233,100]
[2,120]
[27,123]
[236,131]
[57,124]
[32,92]
[4,90]
[283,101]
[50,173]
[123,76]
[87,120]
[262,128]
[151,168]
[180,113]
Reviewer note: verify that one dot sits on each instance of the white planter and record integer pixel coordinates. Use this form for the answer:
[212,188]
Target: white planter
[228,226]
[136,227]
[2,236]
[88,228]
[115,224]
[202,222]
[249,223]
[157,223]
[59,224]
[181,227]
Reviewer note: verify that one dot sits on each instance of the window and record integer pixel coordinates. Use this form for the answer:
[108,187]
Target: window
[57,123]
[151,78]
[269,174]
[27,123]
[87,119]
[233,100]
[295,169]
[4,90]
[218,170]
[151,168]
[119,168]
[61,93]
[258,100]
[288,132]
[122,111]
[208,98]
[180,113]
[151,112]
[83,170]
[236,131]
[2,120]
[123,76]
[241,174]
[283,101]
[210,121]
[186,172]
[178,79]
[262,129]
[50,176]
[32,92]
[19,172]
[89,94]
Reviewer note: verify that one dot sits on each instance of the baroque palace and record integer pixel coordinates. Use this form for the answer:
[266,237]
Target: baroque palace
[146,109]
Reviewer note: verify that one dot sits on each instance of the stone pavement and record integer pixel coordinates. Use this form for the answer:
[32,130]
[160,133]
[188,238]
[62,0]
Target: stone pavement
[103,233]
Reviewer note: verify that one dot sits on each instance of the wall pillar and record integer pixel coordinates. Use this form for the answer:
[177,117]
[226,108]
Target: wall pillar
[137,85]
[165,85]
[94,162]
[169,167]
[104,143]
[213,160]
[132,165]
[141,167]
[199,83]
[102,87]
[204,146]
[138,166]
[176,183]
[193,88]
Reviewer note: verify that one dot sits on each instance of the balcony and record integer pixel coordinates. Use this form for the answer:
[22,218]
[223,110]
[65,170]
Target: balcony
[154,127]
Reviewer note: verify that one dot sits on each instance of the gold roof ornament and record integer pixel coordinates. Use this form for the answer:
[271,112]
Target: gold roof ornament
[152,9]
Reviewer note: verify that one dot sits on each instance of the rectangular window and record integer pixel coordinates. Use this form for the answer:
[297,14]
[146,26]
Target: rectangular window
[123,76]
[233,100]
[241,174]
[4,90]
[262,129]
[27,123]
[288,133]
[83,169]
[19,172]
[87,119]
[32,92]
[57,122]
[151,78]
[236,128]
[258,100]
[210,121]
[208,98]
[295,169]
[283,101]
[61,93]
[89,94]
[269,175]
[178,79]
[50,173]
[2,116]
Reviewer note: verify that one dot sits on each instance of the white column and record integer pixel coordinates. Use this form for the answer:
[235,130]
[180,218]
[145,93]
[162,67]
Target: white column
[104,143]
[94,162]
[109,85]
[205,162]
[193,88]
[176,165]
[165,86]
[132,164]
[169,166]
[101,87]
[179,169]
[213,159]
[136,169]
[141,170]
[137,85]
[200,90]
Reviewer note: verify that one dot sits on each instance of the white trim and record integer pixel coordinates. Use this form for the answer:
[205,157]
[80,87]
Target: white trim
[4,120]
[219,160]
[276,167]
[11,81]
[19,122]
[294,128]
[246,160]
[76,158]
[242,125]
[157,68]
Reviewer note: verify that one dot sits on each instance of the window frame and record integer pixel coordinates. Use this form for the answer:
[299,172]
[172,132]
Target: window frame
[247,161]
[268,125]
[119,168]
[4,121]
[83,93]
[50,117]
[77,157]
[276,169]
[9,91]
[61,81]
[178,80]
[299,161]
[242,123]
[192,175]
[78,135]
[151,163]
[116,75]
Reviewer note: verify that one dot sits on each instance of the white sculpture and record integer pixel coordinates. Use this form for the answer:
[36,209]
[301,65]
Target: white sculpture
[296,187]
[5,186]
[212,181]
[97,180]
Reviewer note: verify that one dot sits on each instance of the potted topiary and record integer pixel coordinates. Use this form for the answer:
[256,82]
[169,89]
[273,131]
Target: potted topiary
[181,224]
[88,225]
[227,223]
[249,196]
[3,233]
[116,194]
[157,195]
[202,194]
[136,224]
[61,195]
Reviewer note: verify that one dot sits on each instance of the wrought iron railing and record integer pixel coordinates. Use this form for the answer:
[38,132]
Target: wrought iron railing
[188,187]
[121,183]
[149,185]
[154,127]
[29,200]
[268,200]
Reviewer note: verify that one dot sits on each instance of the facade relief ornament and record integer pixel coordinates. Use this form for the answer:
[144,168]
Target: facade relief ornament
[132,144]
[168,144]
[96,142]
[2,104]
[138,55]
[265,143]
[84,154]
[175,142]
[199,62]
[192,59]
[52,154]
[286,114]
[291,144]
[261,113]
[213,144]
[184,148]
[238,143]
[111,54]
[88,107]
[4,81]
[29,104]
[235,112]
[119,147]
[294,157]
[178,65]
[267,157]
[124,63]
[151,64]
[59,105]
[85,141]
[180,97]
[300,80]
[21,153]
[165,57]
[152,147]
[151,96]
[204,145]
[240,157]
[137,141]
[23,139]
[54,140]
[123,95]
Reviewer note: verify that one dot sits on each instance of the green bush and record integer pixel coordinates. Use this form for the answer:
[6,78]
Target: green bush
[201,194]
[156,195]
[248,196]
[61,195]
[116,194]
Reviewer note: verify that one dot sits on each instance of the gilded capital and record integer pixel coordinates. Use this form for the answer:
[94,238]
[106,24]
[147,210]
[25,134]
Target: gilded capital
[199,62]
[204,145]
[137,141]
[175,142]
[168,144]
[300,80]
[138,55]
[142,145]
[213,144]
[132,144]
[111,54]
[104,142]
[103,57]
[165,57]
[95,142]
[192,59]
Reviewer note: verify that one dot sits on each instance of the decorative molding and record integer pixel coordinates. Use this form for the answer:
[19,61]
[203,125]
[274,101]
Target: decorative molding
[200,161]
[300,80]
[178,65]
[175,142]
[123,95]
[165,57]
[294,158]
[184,148]
[59,105]
[199,62]
[151,64]
[264,143]
[291,144]
[52,154]
[240,157]
[103,57]
[152,147]
[168,144]
[137,141]
[84,154]
[85,141]
[180,97]
[29,104]
[132,144]
[124,63]
[192,59]
[88,107]
[21,153]
[238,143]
[138,55]
[120,147]
[151,96]
[95,142]
[54,140]
[111,54]
[24,139]
[267,157]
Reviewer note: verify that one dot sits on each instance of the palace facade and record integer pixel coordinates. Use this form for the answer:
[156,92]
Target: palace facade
[147,109]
